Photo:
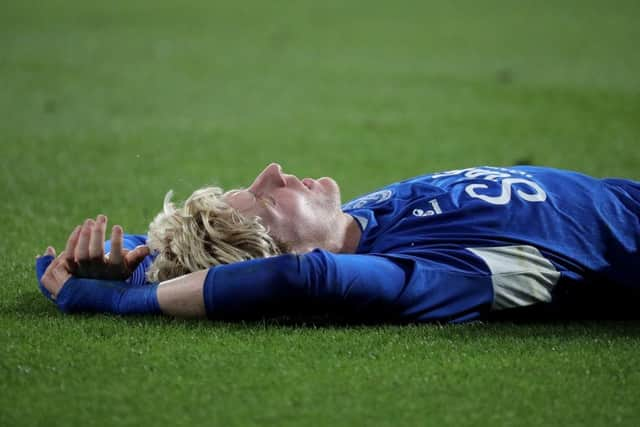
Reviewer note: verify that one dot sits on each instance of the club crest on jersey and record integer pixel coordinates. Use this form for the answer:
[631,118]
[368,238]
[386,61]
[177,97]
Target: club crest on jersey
[369,199]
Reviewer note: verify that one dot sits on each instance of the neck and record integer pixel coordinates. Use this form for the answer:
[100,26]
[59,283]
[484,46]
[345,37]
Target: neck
[344,237]
[351,236]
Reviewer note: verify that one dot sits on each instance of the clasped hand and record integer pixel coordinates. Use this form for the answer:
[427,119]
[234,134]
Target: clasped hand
[84,256]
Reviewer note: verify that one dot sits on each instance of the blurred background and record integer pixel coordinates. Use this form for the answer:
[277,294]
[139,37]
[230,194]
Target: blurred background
[105,106]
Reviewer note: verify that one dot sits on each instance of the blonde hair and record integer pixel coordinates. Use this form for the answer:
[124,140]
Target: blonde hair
[202,233]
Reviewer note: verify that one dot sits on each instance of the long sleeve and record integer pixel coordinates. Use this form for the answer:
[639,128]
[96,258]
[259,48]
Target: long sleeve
[313,283]
[364,287]
[375,288]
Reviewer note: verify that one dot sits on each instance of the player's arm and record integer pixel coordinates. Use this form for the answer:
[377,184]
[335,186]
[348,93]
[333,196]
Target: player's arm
[363,287]
[371,287]
[318,282]
[359,285]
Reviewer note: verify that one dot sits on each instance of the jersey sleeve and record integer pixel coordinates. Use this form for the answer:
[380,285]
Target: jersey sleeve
[130,242]
[362,287]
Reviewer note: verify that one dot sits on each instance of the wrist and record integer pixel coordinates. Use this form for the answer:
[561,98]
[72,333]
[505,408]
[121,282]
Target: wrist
[50,282]
[107,296]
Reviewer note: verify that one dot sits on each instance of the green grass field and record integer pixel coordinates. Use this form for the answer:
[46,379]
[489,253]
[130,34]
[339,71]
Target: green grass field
[105,107]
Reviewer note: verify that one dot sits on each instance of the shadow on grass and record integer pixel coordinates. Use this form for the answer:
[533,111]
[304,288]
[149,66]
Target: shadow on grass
[594,315]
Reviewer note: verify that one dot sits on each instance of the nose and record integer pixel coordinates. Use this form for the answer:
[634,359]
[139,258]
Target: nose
[270,177]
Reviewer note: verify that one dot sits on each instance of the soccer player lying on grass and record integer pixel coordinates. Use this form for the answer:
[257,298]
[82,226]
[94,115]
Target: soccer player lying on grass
[452,246]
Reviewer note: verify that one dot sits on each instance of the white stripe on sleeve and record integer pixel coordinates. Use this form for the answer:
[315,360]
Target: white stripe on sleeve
[521,275]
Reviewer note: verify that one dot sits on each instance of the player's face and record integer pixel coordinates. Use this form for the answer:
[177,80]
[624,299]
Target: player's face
[300,213]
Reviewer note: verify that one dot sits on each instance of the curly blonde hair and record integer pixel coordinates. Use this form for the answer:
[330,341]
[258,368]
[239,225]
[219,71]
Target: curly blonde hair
[202,233]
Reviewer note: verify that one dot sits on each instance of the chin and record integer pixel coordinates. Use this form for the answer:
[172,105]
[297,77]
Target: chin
[329,184]
[331,188]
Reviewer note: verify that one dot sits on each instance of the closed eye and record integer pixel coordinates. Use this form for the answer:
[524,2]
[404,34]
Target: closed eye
[243,199]
[267,200]
[251,199]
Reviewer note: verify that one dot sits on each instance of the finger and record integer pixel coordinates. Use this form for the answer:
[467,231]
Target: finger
[55,275]
[96,244]
[115,257]
[135,257]
[50,251]
[72,241]
[42,263]
[82,249]
[55,262]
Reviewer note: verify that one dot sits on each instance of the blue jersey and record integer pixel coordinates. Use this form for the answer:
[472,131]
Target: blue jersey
[453,246]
